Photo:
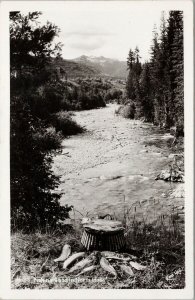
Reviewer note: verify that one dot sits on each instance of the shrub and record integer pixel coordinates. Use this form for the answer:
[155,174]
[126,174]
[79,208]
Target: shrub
[41,217]
[62,121]
[113,95]
[49,139]
[127,111]
[179,130]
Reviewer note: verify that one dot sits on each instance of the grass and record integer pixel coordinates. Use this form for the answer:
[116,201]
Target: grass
[158,245]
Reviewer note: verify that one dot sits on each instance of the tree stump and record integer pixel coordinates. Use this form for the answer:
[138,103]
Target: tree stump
[101,234]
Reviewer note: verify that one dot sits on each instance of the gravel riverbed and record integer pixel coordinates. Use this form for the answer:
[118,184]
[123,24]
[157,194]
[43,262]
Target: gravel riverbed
[112,166]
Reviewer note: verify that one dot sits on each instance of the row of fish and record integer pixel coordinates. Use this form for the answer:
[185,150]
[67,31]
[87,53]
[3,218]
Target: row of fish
[78,262]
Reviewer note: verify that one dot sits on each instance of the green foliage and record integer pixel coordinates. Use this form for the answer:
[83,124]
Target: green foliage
[176,22]
[146,105]
[30,43]
[31,177]
[69,95]
[49,139]
[127,111]
[33,201]
[113,95]
[64,123]
[134,66]
[157,87]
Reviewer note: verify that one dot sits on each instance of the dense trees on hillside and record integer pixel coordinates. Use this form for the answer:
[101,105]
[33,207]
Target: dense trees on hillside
[156,87]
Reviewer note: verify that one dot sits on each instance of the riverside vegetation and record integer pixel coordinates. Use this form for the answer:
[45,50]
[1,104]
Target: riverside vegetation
[155,90]
[43,100]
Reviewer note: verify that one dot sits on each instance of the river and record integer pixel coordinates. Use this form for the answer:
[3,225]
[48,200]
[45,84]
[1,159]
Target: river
[111,168]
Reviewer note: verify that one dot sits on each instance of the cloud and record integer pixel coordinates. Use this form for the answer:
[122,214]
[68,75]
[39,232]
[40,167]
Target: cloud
[86,38]
[87,44]
[88,33]
[87,30]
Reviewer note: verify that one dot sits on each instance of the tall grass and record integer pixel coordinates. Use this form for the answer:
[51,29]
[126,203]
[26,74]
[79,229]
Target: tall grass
[159,245]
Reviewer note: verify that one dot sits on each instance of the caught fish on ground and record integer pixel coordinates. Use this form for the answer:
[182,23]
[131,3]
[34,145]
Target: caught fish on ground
[87,269]
[104,263]
[137,266]
[83,263]
[127,270]
[116,256]
[66,251]
[72,258]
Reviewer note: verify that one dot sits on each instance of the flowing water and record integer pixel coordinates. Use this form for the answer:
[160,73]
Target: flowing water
[111,168]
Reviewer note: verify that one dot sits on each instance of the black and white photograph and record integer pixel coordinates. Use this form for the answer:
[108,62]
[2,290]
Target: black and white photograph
[97,146]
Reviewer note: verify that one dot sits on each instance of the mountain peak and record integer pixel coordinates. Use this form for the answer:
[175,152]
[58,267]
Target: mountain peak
[96,58]
[107,66]
[83,57]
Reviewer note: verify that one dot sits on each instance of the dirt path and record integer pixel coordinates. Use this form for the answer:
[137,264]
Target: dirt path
[109,167]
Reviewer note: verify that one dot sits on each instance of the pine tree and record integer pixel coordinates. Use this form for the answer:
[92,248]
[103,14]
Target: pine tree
[134,67]
[137,65]
[175,31]
[147,105]
[130,59]
[32,181]
[164,77]
[154,70]
[130,86]
[157,87]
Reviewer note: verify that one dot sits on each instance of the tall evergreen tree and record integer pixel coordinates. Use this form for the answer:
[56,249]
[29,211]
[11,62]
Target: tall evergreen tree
[32,181]
[157,87]
[134,67]
[147,105]
[130,87]
[175,34]
[130,59]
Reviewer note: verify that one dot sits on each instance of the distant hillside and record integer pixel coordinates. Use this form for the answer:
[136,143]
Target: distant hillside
[105,66]
[74,69]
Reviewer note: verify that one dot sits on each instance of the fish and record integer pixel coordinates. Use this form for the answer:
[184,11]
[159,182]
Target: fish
[66,251]
[116,256]
[104,263]
[72,258]
[127,269]
[137,266]
[86,262]
[87,269]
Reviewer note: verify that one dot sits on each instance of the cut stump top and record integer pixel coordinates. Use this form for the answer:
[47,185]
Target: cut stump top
[102,225]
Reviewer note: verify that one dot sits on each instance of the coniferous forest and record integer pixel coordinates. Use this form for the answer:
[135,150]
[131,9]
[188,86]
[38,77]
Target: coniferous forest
[156,88]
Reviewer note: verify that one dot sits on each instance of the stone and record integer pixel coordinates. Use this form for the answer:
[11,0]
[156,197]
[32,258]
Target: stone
[175,155]
[179,192]
[143,151]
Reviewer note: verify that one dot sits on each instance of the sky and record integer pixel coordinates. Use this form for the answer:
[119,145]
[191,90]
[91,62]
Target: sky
[101,28]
